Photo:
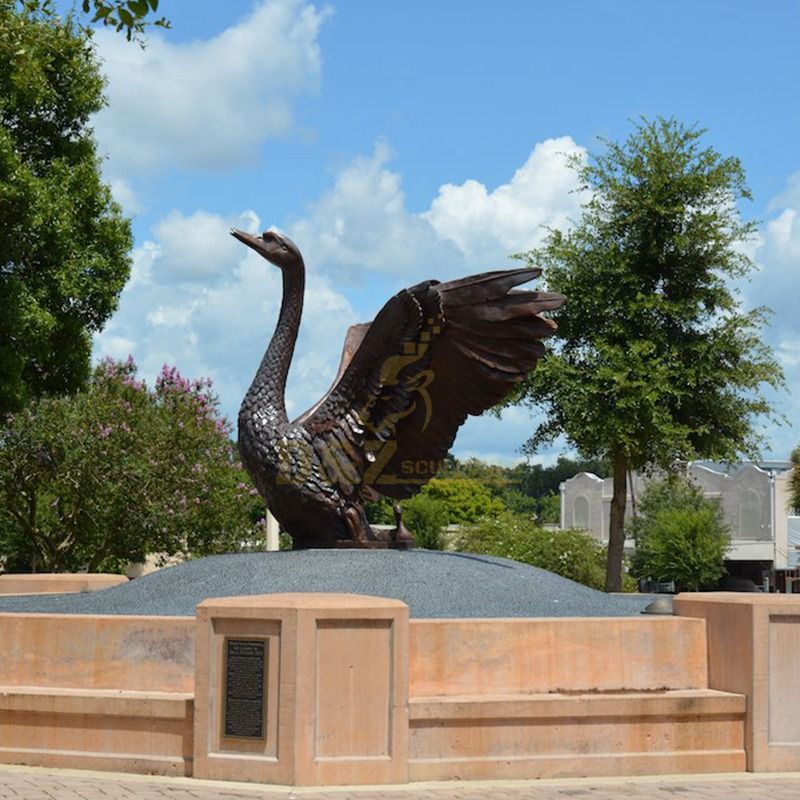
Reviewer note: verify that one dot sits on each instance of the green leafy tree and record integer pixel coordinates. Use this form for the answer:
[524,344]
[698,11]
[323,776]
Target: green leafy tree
[493,476]
[655,359]
[538,481]
[63,241]
[118,471]
[680,536]
[549,510]
[130,16]
[426,518]
[571,554]
[466,499]
[520,503]
[794,485]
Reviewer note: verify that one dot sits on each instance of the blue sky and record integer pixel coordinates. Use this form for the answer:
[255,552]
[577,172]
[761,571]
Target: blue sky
[401,141]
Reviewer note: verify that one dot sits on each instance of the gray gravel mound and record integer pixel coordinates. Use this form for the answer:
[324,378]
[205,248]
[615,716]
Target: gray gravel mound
[433,584]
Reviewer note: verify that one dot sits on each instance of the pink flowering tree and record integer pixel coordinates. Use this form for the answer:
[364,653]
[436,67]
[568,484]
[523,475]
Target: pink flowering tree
[119,471]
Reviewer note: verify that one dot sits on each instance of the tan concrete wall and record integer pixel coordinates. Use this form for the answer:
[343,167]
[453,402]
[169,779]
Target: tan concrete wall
[60,583]
[97,652]
[335,695]
[148,732]
[509,656]
[486,698]
[556,735]
[753,649]
[97,692]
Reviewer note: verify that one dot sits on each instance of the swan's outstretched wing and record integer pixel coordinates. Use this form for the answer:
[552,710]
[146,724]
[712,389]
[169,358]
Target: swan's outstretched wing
[435,353]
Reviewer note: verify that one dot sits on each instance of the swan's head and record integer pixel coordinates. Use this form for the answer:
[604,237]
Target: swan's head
[275,247]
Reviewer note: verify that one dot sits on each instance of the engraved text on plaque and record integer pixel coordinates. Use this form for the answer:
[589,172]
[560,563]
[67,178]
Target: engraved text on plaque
[245,668]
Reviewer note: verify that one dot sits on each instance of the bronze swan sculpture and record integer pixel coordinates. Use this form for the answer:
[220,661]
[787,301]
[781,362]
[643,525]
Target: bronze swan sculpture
[435,353]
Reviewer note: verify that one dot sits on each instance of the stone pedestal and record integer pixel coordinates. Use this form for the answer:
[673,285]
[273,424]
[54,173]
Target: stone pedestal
[302,689]
[753,647]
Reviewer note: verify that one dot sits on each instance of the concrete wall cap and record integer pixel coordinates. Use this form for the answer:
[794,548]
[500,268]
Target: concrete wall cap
[741,598]
[309,600]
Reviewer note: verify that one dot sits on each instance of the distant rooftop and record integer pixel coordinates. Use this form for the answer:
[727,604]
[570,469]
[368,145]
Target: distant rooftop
[767,466]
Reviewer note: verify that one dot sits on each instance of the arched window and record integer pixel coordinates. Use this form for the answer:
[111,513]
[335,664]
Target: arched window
[580,513]
[750,516]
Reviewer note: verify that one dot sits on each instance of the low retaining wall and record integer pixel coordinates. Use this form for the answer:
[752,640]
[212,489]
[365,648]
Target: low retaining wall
[97,692]
[588,654]
[58,583]
[472,698]
[567,697]
[754,649]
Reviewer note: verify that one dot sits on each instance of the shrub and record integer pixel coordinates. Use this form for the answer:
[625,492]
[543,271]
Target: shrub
[118,471]
[466,499]
[426,518]
[680,536]
[571,554]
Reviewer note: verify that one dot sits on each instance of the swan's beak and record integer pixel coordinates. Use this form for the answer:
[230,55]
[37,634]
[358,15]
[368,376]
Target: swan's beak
[256,242]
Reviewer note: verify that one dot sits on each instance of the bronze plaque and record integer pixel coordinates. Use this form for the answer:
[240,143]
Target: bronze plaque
[245,679]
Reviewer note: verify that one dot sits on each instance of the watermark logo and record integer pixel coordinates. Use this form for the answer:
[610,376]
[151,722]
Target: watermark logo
[336,454]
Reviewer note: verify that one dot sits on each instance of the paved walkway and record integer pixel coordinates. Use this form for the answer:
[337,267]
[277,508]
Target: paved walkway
[28,783]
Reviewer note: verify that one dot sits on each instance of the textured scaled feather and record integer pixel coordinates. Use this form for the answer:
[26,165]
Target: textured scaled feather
[397,321]
[352,341]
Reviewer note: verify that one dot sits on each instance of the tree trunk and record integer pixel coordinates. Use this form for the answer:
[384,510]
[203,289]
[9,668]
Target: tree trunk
[616,525]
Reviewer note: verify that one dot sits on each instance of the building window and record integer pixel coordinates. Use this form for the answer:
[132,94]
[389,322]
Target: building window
[750,516]
[580,513]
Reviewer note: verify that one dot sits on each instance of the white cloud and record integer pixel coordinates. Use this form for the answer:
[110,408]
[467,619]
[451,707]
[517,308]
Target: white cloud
[202,301]
[142,268]
[775,285]
[778,258]
[208,104]
[515,216]
[125,195]
[363,220]
[117,347]
[199,247]
[216,321]
[788,352]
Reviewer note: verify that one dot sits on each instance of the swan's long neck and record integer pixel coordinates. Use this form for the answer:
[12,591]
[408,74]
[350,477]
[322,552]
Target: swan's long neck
[266,393]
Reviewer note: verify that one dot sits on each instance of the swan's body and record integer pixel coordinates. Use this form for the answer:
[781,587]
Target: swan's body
[435,353]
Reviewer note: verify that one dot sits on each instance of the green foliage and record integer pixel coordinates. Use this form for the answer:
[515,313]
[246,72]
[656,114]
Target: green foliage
[63,241]
[549,509]
[655,360]
[118,471]
[520,503]
[426,518]
[538,481]
[466,499]
[680,536]
[572,554]
[494,477]
[379,512]
[794,481]
[131,16]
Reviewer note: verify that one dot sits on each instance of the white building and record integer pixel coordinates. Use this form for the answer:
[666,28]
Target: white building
[765,532]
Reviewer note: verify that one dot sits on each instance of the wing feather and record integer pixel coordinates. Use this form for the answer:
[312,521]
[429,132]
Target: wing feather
[436,353]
